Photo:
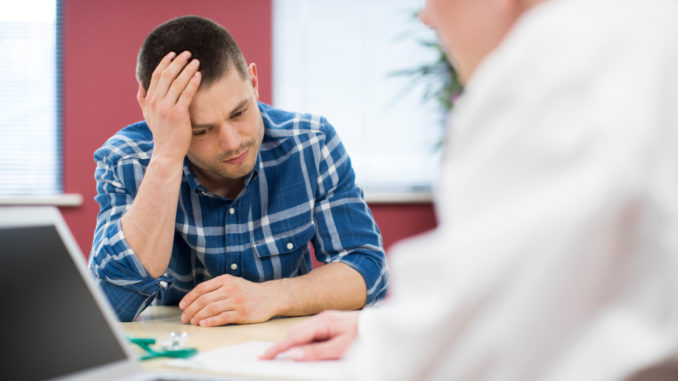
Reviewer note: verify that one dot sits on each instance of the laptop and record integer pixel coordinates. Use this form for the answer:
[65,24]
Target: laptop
[56,322]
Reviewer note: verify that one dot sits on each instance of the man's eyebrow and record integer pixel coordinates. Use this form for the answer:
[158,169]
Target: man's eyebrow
[196,126]
[235,110]
[240,105]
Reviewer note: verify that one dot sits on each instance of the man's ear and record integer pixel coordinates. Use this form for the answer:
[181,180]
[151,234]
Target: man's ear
[253,79]
[141,98]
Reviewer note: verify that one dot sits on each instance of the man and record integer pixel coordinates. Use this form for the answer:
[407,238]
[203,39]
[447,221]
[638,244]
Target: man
[211,202]
[556,255]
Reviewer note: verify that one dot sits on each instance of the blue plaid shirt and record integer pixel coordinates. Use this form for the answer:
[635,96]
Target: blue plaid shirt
[301,190]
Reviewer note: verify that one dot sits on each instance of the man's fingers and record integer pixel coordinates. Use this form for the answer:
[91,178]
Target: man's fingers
[186,96]
[198,305]
[180,83]
[198,291]
[157,72]
[212,304]
[165,77]
[225,317]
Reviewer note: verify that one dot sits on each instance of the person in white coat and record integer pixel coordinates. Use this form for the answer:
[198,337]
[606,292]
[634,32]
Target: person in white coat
[556,254]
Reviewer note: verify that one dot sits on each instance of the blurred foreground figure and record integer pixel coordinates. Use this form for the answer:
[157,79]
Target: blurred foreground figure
[556,255]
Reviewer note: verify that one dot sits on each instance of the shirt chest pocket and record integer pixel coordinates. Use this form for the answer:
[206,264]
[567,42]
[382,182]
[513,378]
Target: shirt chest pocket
[285,248]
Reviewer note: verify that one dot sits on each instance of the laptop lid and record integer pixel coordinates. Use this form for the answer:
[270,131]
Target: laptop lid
[57,321]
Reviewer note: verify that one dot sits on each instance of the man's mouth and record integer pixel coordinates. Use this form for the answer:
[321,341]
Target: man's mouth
[238,159]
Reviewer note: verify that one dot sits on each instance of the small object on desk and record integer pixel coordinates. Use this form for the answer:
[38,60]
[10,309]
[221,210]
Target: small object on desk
[174,348]
[176,341]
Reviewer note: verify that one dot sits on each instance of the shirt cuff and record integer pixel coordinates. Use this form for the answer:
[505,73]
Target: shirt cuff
[117,264]
[374,272]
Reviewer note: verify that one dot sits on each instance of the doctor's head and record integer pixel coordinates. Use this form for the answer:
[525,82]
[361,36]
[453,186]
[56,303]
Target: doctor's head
[470,29]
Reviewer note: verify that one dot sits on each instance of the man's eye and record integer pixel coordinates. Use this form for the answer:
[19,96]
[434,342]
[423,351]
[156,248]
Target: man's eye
[199,132]
[239,113]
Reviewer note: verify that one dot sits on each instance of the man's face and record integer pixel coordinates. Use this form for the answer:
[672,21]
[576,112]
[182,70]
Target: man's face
[470,29]
[227,129]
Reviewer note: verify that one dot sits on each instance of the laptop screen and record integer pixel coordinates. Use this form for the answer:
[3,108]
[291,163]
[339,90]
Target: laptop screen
[53,323]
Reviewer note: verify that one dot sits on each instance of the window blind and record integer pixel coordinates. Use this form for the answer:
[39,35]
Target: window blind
[30,104]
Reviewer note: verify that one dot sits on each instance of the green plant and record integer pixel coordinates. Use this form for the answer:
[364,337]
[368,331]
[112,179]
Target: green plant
[439,78]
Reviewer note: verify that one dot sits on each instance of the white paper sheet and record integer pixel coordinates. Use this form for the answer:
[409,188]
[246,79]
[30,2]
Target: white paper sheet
[242,360]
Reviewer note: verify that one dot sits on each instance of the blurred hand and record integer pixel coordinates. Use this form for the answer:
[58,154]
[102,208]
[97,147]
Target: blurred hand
[165,105]
[326,336]
[228,299]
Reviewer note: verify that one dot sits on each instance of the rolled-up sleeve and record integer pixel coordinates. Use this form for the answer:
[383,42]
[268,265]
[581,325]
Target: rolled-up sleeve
[113,263]
[346,230]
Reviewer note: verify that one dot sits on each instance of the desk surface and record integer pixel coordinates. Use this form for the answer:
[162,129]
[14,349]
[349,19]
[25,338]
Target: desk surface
[158,321]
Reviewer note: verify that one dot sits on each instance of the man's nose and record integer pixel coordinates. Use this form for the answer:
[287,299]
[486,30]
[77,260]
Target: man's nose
[229,138]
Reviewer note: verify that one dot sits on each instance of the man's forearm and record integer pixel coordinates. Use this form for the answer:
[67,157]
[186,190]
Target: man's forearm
[149,224]
[332,286]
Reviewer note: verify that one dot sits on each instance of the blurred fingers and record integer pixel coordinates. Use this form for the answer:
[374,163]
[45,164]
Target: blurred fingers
[306,332]
[333,349]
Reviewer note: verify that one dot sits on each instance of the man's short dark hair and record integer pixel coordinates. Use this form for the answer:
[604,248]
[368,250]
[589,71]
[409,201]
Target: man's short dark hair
[207,41]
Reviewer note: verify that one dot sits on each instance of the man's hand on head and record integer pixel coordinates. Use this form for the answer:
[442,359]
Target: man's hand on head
[227,299]
[165,104]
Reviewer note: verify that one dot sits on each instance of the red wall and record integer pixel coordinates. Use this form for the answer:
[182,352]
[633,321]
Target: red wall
[398,221]
[101,42]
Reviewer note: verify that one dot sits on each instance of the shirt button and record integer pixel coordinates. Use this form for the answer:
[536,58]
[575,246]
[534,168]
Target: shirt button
[234,266]
[290,246]
[231,211]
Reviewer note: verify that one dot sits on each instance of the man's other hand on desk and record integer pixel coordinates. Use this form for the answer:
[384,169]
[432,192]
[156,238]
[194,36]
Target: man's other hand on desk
[323,337]
[227,299]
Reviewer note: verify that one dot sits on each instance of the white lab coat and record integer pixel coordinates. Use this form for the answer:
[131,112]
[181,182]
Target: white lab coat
[556,255]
